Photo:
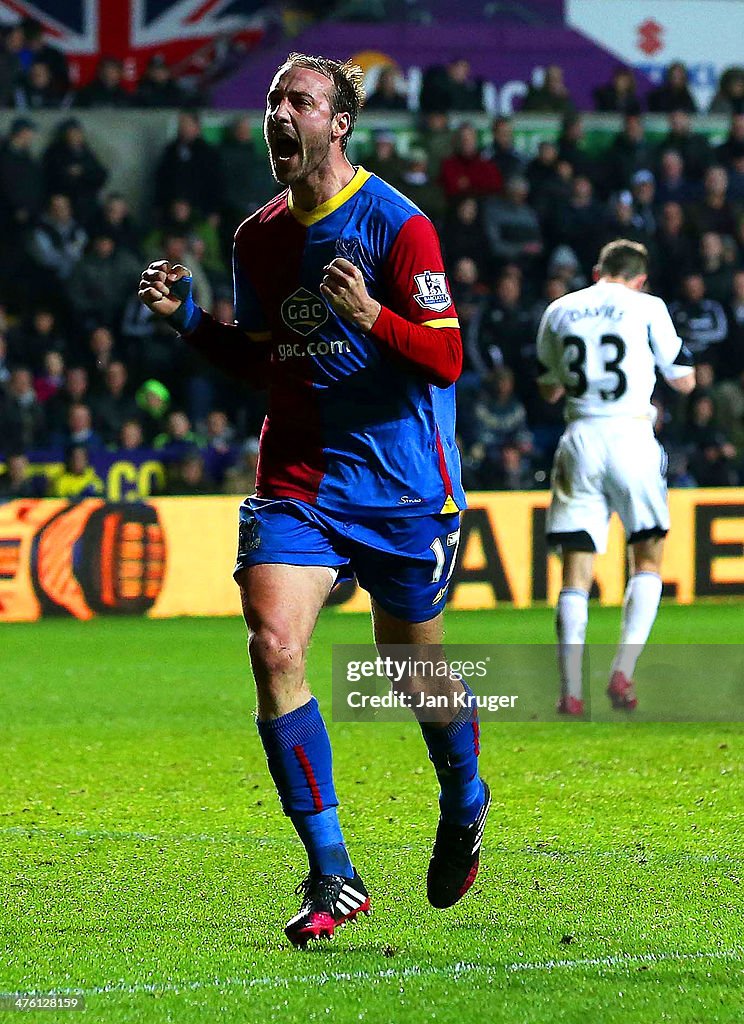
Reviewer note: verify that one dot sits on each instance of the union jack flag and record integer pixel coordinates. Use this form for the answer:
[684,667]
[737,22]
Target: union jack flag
[183,31]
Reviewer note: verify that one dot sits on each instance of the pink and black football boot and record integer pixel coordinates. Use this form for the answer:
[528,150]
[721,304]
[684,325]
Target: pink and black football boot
[569,705]
[328,902]
[455,858]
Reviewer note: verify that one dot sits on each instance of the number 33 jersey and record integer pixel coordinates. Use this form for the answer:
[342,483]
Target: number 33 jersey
[604,345]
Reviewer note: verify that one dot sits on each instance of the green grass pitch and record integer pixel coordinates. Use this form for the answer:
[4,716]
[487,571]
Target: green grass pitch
[145,863]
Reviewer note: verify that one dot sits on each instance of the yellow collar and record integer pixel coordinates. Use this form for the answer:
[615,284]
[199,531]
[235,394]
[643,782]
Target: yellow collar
[308,217]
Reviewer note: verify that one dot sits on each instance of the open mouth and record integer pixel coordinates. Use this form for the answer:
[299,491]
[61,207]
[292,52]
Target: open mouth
[285,147]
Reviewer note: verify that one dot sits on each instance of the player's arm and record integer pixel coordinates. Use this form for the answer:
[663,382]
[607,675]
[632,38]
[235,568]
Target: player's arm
[549,382]
[426,340]
[167,290]
[673,359]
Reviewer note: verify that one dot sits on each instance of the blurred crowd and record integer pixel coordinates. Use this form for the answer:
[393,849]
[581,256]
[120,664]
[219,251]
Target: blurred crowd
[86,369]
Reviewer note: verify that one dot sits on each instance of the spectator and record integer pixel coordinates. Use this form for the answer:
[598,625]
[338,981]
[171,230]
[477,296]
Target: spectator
[582,224]
[501,150]
[106,89]
[101,354]
[73,392]
[629,152]
[564,266]
[388,94]
[619,95]
[464,236]
[541,171]
[36,91]
[714,212]
[147,342]
[78,479]
[623,222]
[52,377]
[248,182]
[157,87]
[711,455]
[39,333]
[11,68]
[732,149]
[552,97]
[189,167]
[104,270]
[700,322]
[674,187]
[36,48]
[16,481]
[732,353]
[181,219]
[385,160]
[72,169]
[131,438]
[436,140]
[673,94]
[450,88]
[55,246]
[153,399]
[512,226]
[729,98]
[241,479]
[22,421]
[178,439]
[644,201]
[189,478]
[114,220]
[692,147]
[717,270]
[466,172]
[220,453]
[571,146]
[500,329]
[79,429]
[679,252]
[468,293]
[499,416]
[4,367]
[114,406]
[416,183]
[21,179]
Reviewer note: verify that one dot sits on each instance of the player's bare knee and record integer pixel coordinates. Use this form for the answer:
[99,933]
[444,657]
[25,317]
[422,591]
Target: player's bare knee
[276,657]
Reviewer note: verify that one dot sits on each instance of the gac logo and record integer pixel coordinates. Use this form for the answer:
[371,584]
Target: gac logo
[304,312]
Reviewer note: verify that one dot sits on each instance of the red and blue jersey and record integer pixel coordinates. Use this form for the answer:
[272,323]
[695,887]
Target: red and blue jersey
[357,423]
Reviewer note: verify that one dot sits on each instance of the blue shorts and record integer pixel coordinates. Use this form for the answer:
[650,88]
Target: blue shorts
[405,564]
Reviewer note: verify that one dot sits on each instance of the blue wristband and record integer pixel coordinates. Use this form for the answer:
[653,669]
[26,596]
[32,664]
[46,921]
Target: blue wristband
[188,314]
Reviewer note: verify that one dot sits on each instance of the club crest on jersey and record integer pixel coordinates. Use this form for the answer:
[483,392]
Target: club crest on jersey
[351,249]
[432,290]
[304,312]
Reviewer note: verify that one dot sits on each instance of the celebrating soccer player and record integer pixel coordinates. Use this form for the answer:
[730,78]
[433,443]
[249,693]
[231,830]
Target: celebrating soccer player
[601,346]
[342,305]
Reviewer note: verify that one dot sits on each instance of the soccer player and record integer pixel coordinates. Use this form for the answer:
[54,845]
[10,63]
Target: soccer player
[343,306]
[601,347]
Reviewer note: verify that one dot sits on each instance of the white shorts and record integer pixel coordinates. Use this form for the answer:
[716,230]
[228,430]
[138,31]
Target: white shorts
[605,465]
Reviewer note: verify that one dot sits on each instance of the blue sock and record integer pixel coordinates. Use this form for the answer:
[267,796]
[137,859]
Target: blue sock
[454,753]
[298,752]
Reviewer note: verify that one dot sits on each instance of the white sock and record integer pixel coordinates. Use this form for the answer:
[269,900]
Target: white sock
[571,617]
[641,603]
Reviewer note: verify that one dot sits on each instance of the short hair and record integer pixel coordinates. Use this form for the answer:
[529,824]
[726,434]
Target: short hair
[347,95]
[623,258]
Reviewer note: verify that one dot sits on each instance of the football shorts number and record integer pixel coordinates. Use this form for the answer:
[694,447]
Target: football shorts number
[453,541]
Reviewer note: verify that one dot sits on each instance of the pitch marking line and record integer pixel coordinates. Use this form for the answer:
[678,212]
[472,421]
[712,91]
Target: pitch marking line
[455,971]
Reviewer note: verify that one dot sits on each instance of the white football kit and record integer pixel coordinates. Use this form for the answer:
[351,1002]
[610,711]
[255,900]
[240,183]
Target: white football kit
[603,344]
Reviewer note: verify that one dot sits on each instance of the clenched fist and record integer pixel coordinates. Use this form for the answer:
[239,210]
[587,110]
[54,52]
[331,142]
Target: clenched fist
[344,289]
[155,287]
